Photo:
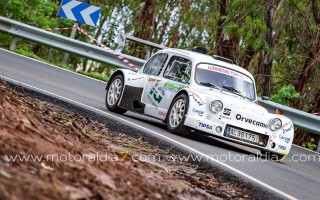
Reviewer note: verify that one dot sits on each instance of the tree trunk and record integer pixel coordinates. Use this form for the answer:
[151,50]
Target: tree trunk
[144,22]
[102,21]
[310,62]
[309,65]
[219,46]
[165,24]
[268,59]
[247,58]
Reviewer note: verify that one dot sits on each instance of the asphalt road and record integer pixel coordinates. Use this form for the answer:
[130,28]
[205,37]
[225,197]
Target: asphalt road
[296,177]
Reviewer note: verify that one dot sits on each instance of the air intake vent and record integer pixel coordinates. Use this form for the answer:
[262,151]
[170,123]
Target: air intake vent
[200,50]
[223,59]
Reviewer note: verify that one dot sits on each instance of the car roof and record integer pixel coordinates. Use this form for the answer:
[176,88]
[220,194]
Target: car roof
[203,58]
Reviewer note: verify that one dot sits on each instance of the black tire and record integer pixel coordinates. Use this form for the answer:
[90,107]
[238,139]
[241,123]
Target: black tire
[179,129]
[272,156]
[113,107]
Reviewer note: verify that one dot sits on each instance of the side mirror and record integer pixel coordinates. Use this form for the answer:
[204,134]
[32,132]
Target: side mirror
[265,98]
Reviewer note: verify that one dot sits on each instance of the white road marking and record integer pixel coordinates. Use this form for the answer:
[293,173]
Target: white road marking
[167,138]
[306,149]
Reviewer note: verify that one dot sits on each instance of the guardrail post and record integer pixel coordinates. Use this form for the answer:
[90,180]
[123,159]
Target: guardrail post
[318,148]
[73,34]
[13,44]
[57,26]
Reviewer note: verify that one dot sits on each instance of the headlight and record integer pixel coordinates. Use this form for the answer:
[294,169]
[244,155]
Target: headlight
[216,106]
[275,124]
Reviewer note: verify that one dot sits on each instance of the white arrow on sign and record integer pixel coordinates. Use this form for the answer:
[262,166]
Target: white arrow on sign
[86,14]
[67,9]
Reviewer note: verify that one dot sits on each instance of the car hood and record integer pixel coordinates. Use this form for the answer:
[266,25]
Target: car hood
[234,101]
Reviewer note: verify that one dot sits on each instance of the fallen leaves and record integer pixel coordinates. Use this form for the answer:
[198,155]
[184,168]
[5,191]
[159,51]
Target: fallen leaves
[32,128]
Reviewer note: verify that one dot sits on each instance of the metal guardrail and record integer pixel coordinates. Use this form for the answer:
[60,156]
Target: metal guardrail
[144,42]
[64,43]
[300,119]
[303,120]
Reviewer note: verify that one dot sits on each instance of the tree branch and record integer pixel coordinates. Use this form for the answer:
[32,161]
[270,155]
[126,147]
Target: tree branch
[315,11]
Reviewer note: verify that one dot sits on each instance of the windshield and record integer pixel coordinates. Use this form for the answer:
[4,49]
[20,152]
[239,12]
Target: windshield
[227,79]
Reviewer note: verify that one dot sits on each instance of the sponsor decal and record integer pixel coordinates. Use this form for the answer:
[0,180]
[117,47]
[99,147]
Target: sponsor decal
[227,111]
[162,113]
[286,139]
[199,112]
[197,99]
[152,79]
[225,71]
[171,87]
[225,117]
[133,79]
[250,121]
[155,94]
[286,124]
[288,128]
[282,147]
[151,101]
[285,130]
[204,125]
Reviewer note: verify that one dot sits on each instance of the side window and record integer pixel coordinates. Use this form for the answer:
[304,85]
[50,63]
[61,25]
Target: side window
[177,69]
[155,64]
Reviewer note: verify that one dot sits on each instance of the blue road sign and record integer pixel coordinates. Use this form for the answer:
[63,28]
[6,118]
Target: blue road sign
[80,12]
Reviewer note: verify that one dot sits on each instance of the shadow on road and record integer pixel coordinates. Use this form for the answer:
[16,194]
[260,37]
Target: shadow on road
[196,136]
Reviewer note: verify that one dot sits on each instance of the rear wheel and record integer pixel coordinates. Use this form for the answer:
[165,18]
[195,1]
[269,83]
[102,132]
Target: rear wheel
[114,91]
[177,115]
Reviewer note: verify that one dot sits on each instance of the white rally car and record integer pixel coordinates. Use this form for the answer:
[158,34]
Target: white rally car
[188,91]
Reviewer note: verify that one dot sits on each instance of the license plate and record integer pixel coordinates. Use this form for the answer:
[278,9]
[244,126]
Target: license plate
[237,133]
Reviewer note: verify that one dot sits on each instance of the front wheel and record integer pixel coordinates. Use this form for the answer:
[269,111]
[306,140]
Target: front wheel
[177,115]
[114,91]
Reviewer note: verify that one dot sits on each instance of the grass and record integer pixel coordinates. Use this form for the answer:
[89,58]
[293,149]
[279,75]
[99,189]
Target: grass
[95,75]
[30,55]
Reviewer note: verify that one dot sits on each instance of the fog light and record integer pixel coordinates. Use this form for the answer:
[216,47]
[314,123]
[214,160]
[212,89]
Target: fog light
[218,129]
[273,145]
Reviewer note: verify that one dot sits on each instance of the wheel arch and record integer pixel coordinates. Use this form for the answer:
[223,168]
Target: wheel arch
[182,91]
[115,73]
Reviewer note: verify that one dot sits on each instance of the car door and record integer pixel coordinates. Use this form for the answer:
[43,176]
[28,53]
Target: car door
[150,96]
[161,90]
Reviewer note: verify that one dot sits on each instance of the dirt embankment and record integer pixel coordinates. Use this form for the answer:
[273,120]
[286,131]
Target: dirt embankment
[50,153]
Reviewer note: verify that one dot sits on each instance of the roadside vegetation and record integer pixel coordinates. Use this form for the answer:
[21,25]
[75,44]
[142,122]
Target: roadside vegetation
[278,41]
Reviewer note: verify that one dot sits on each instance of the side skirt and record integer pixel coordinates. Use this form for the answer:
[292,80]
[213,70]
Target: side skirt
[131,99]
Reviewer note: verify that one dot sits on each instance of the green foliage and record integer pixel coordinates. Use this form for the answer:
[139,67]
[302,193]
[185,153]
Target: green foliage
[29,54]
[35,12]
[95,75]
[5,40]
[311,144]
[62,65]
[285,95]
